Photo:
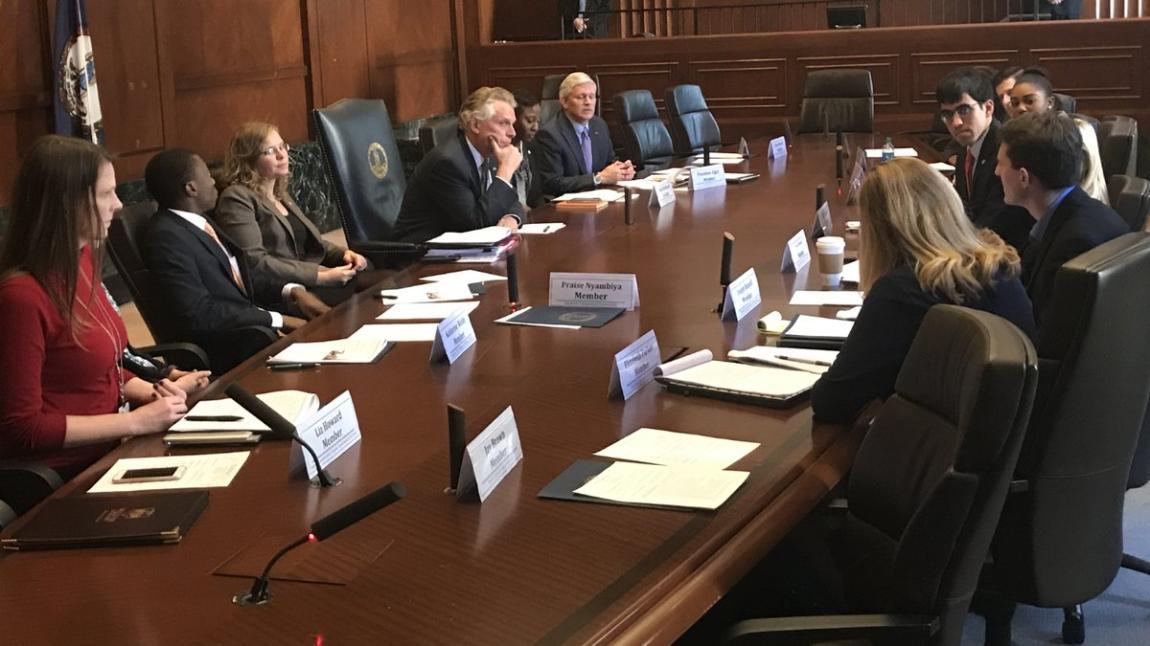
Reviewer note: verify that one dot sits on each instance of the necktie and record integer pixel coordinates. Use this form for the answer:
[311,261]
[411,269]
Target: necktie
[585,139]
[236,278]
[484,176]
[968,171]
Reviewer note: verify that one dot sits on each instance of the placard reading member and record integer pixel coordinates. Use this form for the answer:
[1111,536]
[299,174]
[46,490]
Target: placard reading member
[594,290]
[634,366]
[330,432]
[452,338]
[705,177]
[742,296]
[797,254]
[491,456]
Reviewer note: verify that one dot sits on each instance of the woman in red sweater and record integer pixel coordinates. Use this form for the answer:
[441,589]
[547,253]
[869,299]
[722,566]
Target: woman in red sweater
[64,395]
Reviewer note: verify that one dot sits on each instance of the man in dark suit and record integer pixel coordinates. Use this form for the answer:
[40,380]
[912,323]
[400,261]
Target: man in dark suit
[574,149]
[1040,163]
[966,103]
[467,182]
[584,18]
[1062,9]
[201,276]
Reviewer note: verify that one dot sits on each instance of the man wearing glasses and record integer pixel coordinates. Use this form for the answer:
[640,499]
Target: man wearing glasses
[574,149]
[966,104]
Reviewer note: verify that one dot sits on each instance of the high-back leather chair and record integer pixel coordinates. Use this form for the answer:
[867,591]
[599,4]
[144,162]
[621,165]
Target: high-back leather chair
[926,487]
[1130,197]
[837,100]
[549,97]
[1118,145]
[437,130]
[1059,542]
[1065,102]
[367,174]
[692,124]
[646,141]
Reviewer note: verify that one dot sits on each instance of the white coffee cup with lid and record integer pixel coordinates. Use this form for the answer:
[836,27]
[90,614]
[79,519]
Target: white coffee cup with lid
[830,250]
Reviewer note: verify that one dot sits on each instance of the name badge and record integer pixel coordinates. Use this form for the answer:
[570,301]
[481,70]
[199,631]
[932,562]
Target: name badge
[823,224]
[797,255]
[778,148]
[858,172]
[594,290]
[490,456]
[634,366]
[744,149]
[330,433]
[742,296]
[453,337]
[704,177]
[662,194]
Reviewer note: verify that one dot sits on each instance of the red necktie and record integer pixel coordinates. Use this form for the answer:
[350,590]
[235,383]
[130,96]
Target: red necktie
[969,171]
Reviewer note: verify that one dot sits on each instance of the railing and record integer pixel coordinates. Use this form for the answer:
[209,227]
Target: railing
[639,18]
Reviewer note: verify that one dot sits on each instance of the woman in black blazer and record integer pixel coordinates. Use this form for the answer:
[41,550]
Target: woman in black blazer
[258,214]
[918,249]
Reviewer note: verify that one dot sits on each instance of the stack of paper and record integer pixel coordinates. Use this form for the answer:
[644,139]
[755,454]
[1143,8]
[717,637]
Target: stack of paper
[816,332]
[398,332]
[466,276]
[349,350]
[215,415]
[540,228]
[668,448]
[600,194]
[425,311]
[480,246]
[646,484]
[199,472]
[741,379]
[436,292]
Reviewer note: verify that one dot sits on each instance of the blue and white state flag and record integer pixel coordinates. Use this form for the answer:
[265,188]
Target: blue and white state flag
[75,98]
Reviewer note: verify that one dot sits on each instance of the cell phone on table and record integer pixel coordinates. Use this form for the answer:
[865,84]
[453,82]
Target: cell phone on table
[151,474]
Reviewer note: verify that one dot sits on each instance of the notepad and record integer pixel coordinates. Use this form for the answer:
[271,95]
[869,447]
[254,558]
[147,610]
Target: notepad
[805,359]
[668,448]
[293,405]
[433,293]
[397,332]
[540,228]
[765,382]
[816,332]
[349,350]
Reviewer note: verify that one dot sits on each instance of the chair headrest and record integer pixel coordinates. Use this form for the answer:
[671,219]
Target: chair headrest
[685,99]
[635,105]
[551,84]
[1130,197]
[838,83]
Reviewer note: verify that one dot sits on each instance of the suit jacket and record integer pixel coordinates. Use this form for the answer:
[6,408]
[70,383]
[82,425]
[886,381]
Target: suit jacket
[985,204]
[193,278]
[445,194]
[596,22]
[268,239]
[1079,224]
[559,157]
[1067,10]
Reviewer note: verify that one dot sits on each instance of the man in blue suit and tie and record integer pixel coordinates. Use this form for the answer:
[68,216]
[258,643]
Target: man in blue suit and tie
[574,151]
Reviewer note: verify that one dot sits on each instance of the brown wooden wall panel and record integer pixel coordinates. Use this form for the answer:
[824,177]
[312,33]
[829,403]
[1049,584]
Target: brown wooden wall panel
[219,37]
[1095,72]
[928,68]
[127,75]
[621,77]
[527,76]
[742,88]
[885,71]
[343,65]
[208,116]
[24,89]
[411,46]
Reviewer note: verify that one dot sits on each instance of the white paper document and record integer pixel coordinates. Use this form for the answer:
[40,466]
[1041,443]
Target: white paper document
[540,228]
[851,272]
[340,351]
[293,405]
[429,293]
[645,184]
[816,297]
[819,327]
[698,161]
[668,448]
[604,194]
[765,381]
[425,311]
[808,360]
[397,332]
[200,472]
[942,167]
[465,276]
[876,153]
[485,237]
[848,315]
[648,484]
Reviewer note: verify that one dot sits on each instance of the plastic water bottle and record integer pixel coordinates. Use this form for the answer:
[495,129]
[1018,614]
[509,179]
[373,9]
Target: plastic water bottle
[887,151]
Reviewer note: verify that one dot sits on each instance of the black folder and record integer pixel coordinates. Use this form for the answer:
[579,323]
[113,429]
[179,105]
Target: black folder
[578,474]
[577,316]
[110,521]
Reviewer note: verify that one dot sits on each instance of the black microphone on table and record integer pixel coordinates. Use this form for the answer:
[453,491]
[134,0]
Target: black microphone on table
[706,154]
[321,529]
[725,267]
[628,218]
[513,280]
[787,134]
[281,429]
[456,443]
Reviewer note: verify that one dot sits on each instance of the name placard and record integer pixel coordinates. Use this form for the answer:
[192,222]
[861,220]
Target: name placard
[823,224]
[490,456]
[705,177]
[594,290]
[742,296]
[330,432]
[634,366]
[662,194]
[453,337]
[744,148]
[777,148]
[858,173]
[797,254]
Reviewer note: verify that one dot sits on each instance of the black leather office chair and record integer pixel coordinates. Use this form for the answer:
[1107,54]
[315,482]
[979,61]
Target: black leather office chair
[926,488]
[1118,145]
[692,124]
[1065,102]
[1059,543]
[367,173]
[1130,197]
[646,141]
[549,97]
[7,515]
[24,484]
[437,130]
[837,101]
[125,243]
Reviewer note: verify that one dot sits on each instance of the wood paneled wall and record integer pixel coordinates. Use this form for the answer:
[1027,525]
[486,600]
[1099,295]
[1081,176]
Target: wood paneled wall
[187,72]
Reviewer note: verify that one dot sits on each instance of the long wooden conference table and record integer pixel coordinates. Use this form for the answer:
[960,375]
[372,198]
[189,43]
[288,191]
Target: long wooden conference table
[516,568]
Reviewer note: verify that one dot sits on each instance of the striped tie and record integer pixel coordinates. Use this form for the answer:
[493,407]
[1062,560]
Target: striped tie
[236,278]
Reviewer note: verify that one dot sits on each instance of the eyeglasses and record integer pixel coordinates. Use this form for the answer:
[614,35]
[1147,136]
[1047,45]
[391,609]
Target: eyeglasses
[963,111]
[271,151]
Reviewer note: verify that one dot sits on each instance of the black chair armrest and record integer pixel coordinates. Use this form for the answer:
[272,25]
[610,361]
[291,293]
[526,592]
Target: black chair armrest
[23,484]
[7,514]
[880,629]
[186,356]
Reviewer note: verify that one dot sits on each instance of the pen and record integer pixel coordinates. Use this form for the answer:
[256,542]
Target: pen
[812,362]
[546,228]
[291,366]
[213,418]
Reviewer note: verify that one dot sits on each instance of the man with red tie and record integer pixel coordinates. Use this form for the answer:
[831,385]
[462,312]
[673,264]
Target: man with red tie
[966,102]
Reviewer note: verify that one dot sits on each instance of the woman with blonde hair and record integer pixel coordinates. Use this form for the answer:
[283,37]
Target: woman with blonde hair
[256,212]
[918,249]
[1093,179]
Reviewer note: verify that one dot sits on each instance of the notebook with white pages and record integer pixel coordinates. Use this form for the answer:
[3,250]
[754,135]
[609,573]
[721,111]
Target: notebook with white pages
[816,332]
[761,385]
[296,406]
[485,237]
[806,359]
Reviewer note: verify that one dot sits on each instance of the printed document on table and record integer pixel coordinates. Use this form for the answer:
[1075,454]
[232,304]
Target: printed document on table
[816,361]
[816,297]
[485,237]
[669,448]
[766,381]
[648,484]
[397,332]
[851,272]
[540,228]
[819,327]
[339,351]
[200,472]
[645,184]
[465,276]
[429,293]
[604,194]
[425,311]
[293,405]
